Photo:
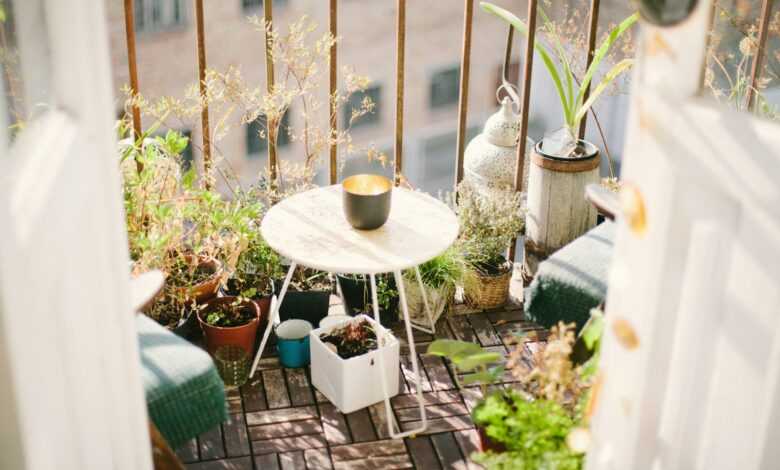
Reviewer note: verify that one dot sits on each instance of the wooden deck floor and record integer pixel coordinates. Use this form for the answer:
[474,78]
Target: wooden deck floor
[279,421]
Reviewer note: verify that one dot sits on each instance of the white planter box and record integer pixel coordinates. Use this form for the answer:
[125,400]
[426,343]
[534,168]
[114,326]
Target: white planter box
[355,383]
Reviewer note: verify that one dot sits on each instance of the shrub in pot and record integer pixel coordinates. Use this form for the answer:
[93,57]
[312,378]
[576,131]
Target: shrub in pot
[439,276]
[356,293]
[346,365]
[563,164]
[489,221]
[230,321]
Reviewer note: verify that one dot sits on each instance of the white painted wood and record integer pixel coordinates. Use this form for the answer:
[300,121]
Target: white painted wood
[310,229]
[699,285]
[69,348]
[557,211]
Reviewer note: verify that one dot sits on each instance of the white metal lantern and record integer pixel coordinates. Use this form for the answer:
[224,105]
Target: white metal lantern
[489,160]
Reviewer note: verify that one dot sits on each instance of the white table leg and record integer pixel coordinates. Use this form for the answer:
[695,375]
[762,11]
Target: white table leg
[272,316]
[428,313]
[413,354]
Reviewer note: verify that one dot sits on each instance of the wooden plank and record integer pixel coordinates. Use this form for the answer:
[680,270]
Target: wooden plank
[509,331]
[285,429]
[292,461]
[461,328]
[210,443]
[422,453]
[299,387]
[379,418]
[468,442]
[448,451]
[429,398]
[450,423]
[275,388]
[236,439]
[253,395]
[406,367]
[233,398]
[367,450]
[288,444]
[334,425]
[485,333]
[438,373]
[390,462]
[435,411]
[239,463]
[317,459]
[188,452]
[361,426]
[278,416]
[507,315]
[267,462]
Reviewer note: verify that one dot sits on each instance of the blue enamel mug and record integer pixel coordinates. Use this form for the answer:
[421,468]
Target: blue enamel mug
[293,343]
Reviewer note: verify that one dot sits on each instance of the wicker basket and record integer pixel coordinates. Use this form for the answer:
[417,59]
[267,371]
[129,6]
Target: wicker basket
[438,300]
[485,291]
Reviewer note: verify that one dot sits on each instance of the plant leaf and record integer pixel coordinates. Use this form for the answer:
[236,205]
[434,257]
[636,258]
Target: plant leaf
[472,361]
[451,348]
[593,329]
[619,68]
[599,55]
[484,377]
[518,24]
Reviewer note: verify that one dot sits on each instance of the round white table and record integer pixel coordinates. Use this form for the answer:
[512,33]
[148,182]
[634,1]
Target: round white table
[310,230]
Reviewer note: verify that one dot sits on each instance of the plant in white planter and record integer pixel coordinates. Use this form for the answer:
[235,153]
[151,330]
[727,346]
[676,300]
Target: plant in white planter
[561,164]
[353,363]
[439,278]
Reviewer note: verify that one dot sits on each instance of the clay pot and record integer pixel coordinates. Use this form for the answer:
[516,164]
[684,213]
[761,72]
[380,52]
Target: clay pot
[207,289]
[243,335]
[486,443]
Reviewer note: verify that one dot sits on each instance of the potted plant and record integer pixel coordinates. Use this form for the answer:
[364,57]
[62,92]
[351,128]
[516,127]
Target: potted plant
[439,276]
[307,297]
[489,221]
[252,277]
[230,321]
[353,361]
[561,164]
[356,294]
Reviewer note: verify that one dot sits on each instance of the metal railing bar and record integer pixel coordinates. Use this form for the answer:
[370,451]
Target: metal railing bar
[510,35]
[593,27]
[525,98]
[271,135]
[204,115]
[333,64]
[463,99]
[758,62]
[132,69]
[399,87]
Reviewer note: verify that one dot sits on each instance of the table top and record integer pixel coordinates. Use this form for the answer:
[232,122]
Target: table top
[310,229]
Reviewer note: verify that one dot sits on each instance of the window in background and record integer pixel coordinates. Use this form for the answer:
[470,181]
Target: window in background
[355,101]
[445,87]
[256,145]
[252,4]
[159,15]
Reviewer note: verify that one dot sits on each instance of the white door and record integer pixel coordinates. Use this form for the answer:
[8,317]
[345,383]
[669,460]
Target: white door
[70,389]
[697,388]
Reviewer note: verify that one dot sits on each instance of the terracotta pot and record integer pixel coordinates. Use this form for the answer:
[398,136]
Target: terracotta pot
[486,443]
[243,335]
[207,289]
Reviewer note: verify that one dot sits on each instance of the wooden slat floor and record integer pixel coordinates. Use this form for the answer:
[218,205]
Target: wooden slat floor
[279,421]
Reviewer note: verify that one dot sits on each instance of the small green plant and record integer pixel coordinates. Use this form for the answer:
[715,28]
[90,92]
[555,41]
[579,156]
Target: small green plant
[236,313]
[442,272]
[478,365]
[386,294]
[571,91]
[534,432]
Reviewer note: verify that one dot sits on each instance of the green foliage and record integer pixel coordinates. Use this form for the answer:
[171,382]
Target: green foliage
[534,433]
[386,293]
[236,313]
[471,359]
[442,272]
[573,103]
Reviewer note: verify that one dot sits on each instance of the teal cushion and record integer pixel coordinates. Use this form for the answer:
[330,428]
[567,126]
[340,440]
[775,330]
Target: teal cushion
[572,281]
[184,392]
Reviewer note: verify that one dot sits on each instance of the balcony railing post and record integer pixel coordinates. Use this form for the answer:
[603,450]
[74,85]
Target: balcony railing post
[755,73]
[204,115]
[593,27]
[133,70]
[399,93]
[463,101]
[333,64]
[269,81]
[525,99]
